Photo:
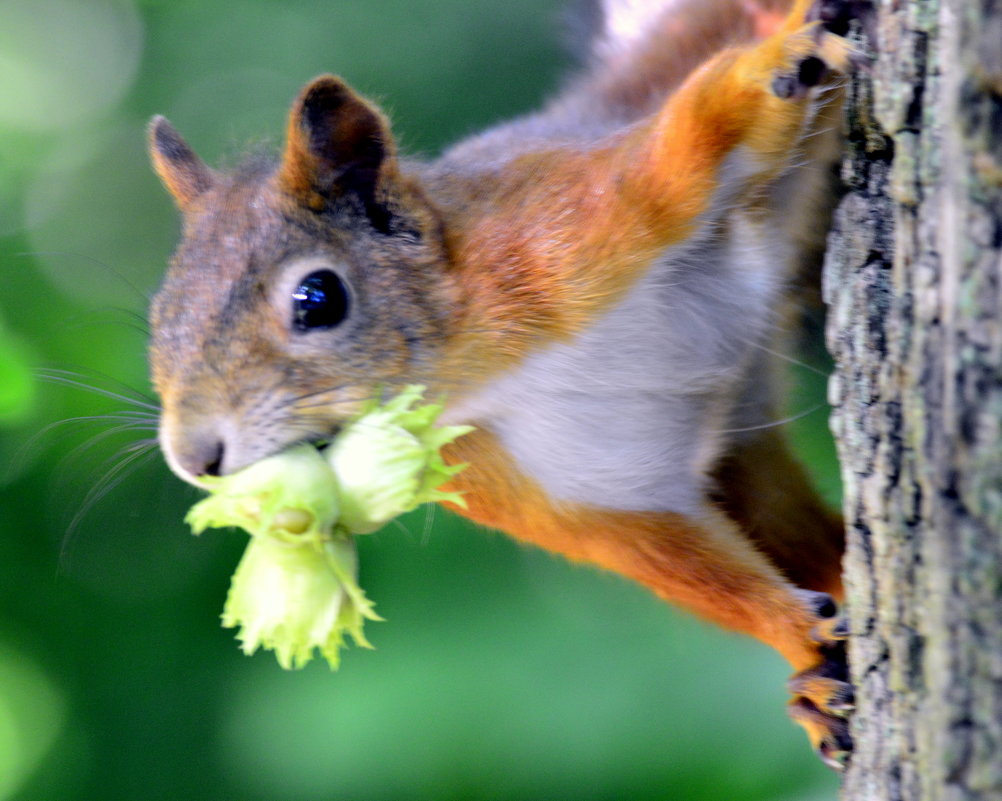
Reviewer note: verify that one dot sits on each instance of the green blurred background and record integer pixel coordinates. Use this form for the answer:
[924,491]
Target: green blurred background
[500,672]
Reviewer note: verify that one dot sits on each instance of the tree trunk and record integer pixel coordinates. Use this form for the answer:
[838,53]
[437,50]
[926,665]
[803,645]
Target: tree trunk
[914,283]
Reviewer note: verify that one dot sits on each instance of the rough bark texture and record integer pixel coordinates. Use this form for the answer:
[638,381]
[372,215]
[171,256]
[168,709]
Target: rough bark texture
[914,283]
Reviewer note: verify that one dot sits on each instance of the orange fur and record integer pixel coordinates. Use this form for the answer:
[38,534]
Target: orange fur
[550,256]
[466,268]
[535,256]
[704,565]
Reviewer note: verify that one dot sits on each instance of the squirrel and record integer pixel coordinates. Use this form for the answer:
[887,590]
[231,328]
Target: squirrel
[598,287]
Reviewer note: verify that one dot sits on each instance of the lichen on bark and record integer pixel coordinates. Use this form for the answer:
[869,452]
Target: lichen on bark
[914,284]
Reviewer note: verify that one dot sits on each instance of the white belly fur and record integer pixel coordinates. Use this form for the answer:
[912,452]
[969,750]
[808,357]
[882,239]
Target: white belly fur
[630,414]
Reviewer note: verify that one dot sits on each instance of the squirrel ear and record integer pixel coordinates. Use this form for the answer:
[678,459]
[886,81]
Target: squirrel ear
[337,144]
[182,172]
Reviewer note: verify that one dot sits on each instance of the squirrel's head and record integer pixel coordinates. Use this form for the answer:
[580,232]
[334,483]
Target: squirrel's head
[301,286]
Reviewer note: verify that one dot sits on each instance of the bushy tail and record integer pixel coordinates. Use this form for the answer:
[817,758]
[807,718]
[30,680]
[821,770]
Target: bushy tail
[622,25]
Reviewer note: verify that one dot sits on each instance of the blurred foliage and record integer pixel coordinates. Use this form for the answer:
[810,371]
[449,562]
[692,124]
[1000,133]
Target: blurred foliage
[16,385]
[501,672]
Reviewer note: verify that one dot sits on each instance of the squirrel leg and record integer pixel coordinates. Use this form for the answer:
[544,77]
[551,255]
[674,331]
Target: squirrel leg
[785,519]
[805,540]
[580,225]
[737,121]
[823,697]
[705,564]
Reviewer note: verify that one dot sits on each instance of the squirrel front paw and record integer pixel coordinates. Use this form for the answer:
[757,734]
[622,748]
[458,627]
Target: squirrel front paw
[818,52]
[823,697]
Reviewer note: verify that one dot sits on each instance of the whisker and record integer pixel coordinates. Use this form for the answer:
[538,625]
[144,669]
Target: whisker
[429,523]
[303,407]
[90,443]
[399,526]
[126,416]
[108,482]
[790,359]
[325,390]
[136,322]
[132,420]
[143,297]
[775,423]
[817,132]
[128,448]
[297,404]
[76,380]
[142,444]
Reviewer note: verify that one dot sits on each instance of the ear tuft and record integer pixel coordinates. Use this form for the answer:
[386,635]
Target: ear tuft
[337,144]
[182,172]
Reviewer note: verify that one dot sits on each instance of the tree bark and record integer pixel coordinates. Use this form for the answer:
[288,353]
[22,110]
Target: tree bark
[914,284]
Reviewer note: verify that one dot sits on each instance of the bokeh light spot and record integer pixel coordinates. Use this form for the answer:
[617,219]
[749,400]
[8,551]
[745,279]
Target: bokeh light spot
[83,227]
[16,384]
[65,61]
[32,714]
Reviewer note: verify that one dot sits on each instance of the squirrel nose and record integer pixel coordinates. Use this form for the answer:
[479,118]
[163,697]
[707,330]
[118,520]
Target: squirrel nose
[211,460]
[203,458]
[196,447]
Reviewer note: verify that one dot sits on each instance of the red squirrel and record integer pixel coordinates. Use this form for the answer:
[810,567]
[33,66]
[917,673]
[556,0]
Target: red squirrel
[598,287]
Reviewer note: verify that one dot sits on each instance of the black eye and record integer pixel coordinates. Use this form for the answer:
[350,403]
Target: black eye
[320,301]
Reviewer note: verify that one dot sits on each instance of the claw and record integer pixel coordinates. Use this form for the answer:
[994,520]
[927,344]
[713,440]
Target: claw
[828,694]
[819,51]
[832,632]
[829,734]
[835,758]
[843,702]
[836,15]
[821,604]
[824,699]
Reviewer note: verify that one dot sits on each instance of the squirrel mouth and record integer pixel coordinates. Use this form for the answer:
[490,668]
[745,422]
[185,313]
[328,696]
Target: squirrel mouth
[322,441]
